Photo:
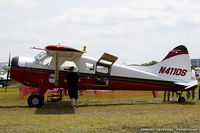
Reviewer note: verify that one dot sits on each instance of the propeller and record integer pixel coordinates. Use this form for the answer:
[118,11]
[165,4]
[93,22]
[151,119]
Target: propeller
[8,73]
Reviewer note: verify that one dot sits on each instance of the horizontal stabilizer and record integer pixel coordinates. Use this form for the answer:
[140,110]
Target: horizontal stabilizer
[190,85]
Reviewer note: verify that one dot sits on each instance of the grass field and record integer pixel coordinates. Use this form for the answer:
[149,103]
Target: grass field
[97,114]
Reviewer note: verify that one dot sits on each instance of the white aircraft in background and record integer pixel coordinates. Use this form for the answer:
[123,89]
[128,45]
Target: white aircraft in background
[5,75]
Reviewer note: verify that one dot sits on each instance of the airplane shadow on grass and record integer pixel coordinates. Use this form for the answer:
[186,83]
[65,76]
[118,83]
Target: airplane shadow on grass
[176,102]
[6,91]
[62,107]
[137,103]
[13,106]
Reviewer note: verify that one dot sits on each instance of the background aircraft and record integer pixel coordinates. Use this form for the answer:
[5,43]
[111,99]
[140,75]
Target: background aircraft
[5,76]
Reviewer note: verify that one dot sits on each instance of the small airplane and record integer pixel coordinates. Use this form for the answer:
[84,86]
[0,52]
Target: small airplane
[4,76]
[47,70]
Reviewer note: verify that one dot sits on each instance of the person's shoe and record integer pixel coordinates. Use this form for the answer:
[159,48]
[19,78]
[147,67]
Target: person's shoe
[77,106]
[193,98]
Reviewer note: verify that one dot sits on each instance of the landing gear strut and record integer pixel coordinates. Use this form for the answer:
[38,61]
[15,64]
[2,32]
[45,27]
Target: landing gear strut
[35,100]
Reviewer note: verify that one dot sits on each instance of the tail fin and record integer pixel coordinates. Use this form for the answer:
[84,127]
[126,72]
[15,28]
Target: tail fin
[176,65]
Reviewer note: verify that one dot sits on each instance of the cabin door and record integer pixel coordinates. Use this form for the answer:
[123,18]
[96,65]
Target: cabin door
[103,69]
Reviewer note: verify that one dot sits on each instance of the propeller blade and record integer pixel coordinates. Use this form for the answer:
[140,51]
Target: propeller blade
[8,73]
[9,59]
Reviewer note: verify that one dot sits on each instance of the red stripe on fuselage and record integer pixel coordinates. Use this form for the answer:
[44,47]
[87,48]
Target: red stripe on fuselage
[40,78]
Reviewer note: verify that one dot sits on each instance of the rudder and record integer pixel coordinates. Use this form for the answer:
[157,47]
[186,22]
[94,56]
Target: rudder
[176,65]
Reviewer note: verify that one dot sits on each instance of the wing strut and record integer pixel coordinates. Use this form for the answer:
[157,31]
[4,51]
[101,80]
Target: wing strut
[56,70]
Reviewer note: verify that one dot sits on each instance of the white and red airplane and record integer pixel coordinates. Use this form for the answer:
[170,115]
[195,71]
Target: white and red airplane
[48,69]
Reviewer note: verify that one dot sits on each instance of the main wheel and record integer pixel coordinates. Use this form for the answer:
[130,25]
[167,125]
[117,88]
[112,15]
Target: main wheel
[181,100]
[35,100]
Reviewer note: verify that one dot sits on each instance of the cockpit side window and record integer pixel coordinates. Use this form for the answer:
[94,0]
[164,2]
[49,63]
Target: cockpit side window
[89,66]
[47,61]
[67,64]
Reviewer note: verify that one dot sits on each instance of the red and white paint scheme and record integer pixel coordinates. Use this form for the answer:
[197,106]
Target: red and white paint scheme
[47,70]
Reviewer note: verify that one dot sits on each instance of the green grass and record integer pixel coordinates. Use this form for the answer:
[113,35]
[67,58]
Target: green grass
[96,114]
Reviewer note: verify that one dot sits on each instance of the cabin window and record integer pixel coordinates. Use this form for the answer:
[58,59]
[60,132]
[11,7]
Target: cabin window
[67,64]
[102,69]
[89,66]
[105,62]
[47,61]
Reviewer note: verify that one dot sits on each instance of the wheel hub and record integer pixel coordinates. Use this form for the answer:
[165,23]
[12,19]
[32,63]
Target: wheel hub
[35,101]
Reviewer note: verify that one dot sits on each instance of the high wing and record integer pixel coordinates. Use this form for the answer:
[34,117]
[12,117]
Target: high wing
[63,51]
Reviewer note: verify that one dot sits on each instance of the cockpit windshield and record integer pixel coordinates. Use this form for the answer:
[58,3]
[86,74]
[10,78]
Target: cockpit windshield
[40,56]
[43,59]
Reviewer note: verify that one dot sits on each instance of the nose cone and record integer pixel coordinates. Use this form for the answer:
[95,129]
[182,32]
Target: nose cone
[25,61]
[15,61]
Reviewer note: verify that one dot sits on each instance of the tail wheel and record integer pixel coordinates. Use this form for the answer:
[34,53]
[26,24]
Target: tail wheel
[181,100]
[35,100]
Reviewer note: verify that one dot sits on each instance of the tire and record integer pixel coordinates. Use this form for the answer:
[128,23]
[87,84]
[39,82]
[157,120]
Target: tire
[35,100]
[181,100]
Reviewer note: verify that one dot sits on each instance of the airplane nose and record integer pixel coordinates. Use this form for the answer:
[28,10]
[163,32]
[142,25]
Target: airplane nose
[15,61]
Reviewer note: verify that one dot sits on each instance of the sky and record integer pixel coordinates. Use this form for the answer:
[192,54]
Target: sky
[137,31]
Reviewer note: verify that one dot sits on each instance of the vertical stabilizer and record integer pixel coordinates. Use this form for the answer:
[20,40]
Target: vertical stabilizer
[176,65]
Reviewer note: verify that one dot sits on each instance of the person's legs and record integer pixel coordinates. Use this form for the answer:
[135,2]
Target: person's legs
[77,104]
[193,94]
[164,96]
[172,95]
[71,97]
[176,96]
[76,98]
[199,93]
[72,102]
[168,96]
[188,95]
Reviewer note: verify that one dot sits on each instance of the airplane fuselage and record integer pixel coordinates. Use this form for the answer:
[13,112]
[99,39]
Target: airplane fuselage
[121,77]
